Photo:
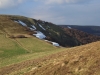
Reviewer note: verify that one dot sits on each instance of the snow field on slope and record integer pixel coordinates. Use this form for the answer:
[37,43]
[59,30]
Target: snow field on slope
[39,34]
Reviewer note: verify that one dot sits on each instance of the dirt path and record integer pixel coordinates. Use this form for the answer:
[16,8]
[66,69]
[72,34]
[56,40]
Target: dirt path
[15,40]
[30,51]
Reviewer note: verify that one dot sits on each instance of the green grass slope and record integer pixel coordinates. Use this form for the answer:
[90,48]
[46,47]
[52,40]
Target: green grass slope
[21,49]
[9,48]
[35,45]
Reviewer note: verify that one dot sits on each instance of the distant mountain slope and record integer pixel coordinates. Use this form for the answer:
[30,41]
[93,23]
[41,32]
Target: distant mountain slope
[38,28]
[89,29]
[56,35]
[83,37]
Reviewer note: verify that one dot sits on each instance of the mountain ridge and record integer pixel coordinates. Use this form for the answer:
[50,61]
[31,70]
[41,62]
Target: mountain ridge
[95,30]
[47,30]
[52,31]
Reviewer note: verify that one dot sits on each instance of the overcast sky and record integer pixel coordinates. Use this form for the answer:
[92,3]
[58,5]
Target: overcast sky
[70,12]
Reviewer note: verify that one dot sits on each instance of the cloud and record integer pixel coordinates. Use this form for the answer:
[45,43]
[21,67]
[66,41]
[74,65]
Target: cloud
[47,13]
[85,14]
[79,12]
[76,1]
[64,1]
[9,3]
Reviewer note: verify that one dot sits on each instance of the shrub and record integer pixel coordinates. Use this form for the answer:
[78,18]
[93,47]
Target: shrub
[12,36]
[20,36]
[31,33]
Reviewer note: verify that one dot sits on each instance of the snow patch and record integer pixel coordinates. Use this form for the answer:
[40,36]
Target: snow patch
[16,21]
[40,35]
[22,23]
[33,27]
[69,27]
[48,41]
[42,27]
[55,44]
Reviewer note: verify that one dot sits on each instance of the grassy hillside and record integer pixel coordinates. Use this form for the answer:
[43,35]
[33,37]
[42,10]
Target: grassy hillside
[52,31]
[14,49]
[9,48]
[35,46]
[82,60]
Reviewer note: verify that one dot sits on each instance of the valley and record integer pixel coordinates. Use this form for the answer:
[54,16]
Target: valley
[35,47]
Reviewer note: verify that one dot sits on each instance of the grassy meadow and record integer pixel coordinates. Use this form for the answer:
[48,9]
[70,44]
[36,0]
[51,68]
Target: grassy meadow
[20,49]
[14,50]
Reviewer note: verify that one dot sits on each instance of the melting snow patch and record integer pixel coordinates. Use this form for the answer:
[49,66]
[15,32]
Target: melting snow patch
[39,35]
[55,44]
[69,27]
[22,23]
[16,21]
[34,27]
[47,41]
[41,27]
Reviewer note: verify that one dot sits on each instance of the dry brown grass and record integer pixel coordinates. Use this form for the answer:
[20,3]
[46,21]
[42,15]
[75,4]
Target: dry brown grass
[82,60]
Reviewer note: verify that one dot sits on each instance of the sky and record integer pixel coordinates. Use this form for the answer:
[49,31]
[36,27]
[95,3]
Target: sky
[65,12]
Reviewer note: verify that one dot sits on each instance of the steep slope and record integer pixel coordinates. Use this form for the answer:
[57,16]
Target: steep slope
[95,30]
[83,37]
